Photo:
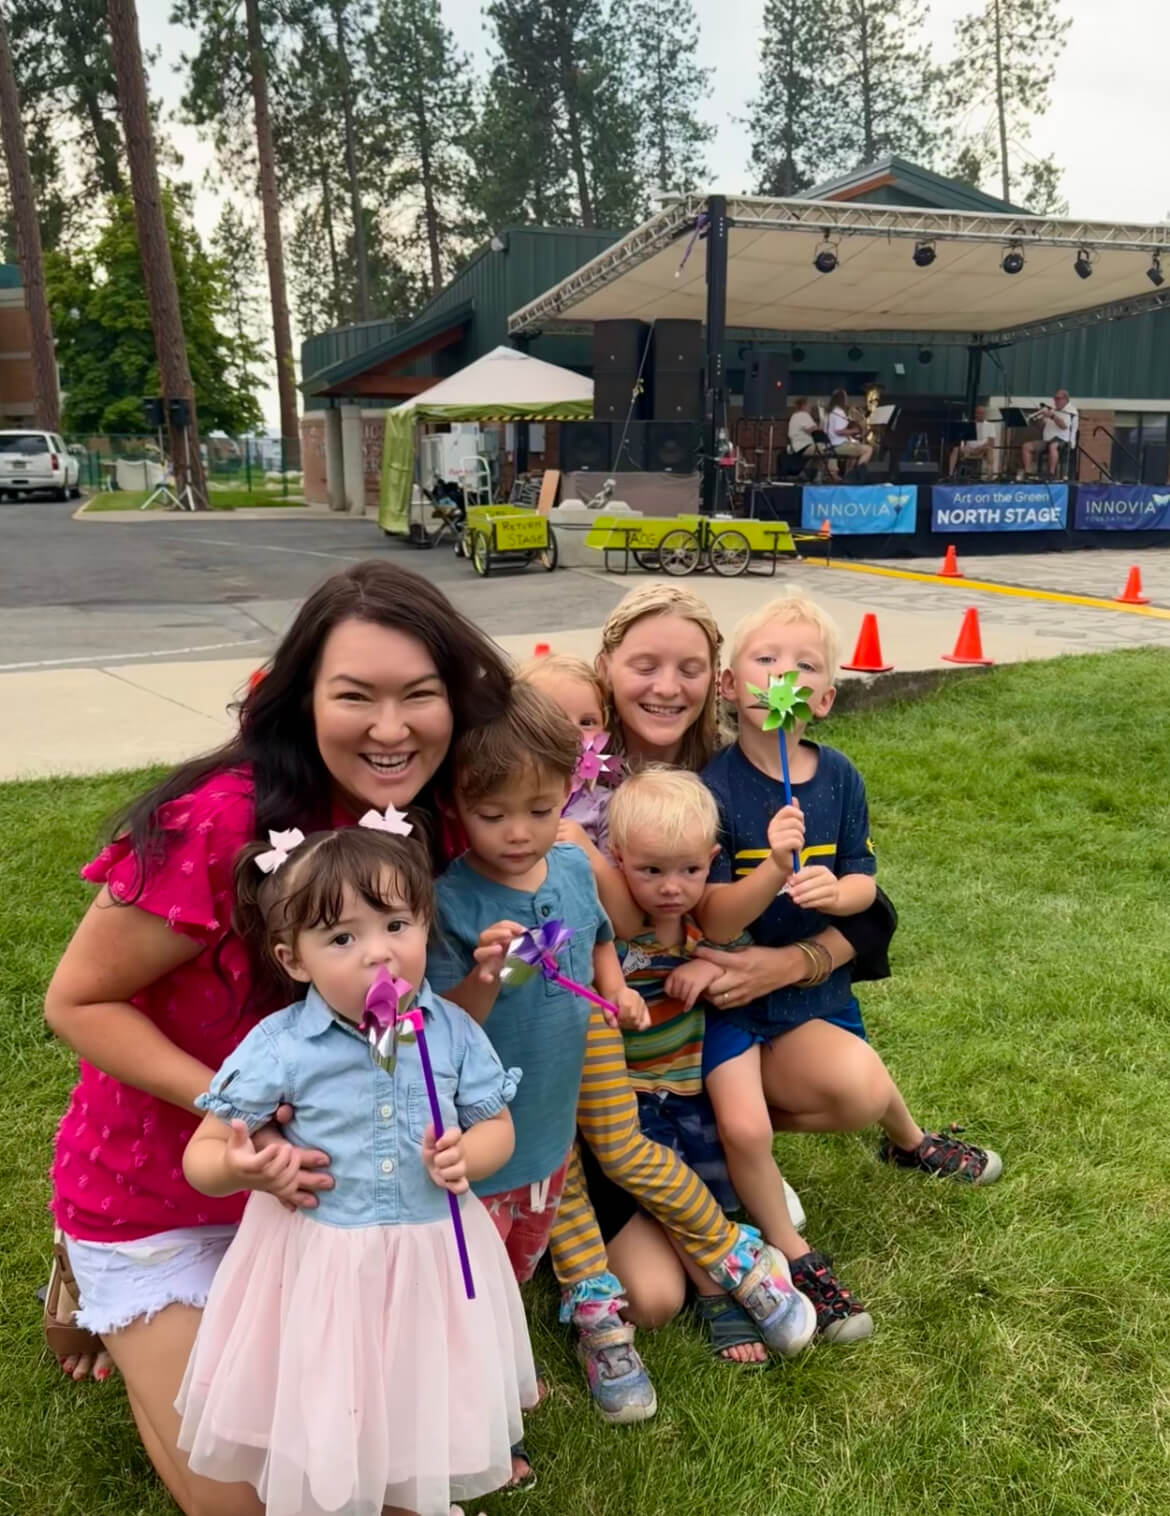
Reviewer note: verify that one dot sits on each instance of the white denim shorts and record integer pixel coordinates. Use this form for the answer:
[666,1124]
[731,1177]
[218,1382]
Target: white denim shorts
[121,1282]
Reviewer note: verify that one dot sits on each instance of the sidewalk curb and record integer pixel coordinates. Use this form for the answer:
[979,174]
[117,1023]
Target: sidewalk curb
[239,513]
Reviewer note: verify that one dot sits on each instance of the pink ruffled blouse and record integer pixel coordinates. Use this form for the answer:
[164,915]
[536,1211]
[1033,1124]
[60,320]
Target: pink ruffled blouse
[117,1172]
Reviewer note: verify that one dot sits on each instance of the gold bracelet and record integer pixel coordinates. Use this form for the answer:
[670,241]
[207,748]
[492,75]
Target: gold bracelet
[820,962]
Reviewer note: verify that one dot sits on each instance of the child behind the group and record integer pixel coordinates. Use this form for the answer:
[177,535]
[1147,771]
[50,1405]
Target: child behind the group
[664,836]
[580,693]
[339,1363]
[754,886]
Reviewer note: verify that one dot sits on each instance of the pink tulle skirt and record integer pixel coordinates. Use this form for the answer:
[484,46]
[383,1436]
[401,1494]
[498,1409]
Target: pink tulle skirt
[343,1369]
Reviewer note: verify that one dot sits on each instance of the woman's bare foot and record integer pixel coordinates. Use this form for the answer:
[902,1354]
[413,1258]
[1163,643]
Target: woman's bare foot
[81,1366]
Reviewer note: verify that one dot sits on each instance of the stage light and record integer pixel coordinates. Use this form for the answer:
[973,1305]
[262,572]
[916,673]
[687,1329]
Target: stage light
[798,355]
[1013,259]
[924,254]
[1154,273]
[925,355]
[854,354]
[1083,264]
[826,259]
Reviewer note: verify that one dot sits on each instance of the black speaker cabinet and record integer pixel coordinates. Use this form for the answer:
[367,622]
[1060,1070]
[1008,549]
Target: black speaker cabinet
[673,447]
[765,385]
[678,346]
[678,395]
[616,396]
[585,446]
[619,346]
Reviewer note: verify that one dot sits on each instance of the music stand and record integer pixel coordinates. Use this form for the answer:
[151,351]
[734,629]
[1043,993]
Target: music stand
[1014,416]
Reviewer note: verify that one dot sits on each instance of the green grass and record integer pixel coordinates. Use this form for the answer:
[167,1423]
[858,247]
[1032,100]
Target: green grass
[218,499]
[1022,1357]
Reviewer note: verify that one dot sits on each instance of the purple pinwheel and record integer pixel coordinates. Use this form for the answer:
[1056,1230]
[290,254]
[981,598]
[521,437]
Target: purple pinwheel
[595,765]
[536,952]
[392,1011]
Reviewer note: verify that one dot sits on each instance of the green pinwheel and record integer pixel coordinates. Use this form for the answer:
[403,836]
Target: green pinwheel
[786,702]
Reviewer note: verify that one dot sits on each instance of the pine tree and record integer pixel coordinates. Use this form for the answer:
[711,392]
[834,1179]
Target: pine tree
[661,42]
[794,113]
[422,92]
[998,85]
[884,82]
[237,264]
[46,395]
[157,266]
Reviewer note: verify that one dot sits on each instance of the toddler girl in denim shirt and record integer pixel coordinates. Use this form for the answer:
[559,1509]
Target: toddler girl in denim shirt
[339,1364]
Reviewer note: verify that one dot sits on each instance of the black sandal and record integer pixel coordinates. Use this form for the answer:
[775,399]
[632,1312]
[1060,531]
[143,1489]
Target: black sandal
[728,1325]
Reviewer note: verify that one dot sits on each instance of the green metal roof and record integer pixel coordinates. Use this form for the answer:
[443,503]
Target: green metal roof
[912,185]
[9,276]
[431,324]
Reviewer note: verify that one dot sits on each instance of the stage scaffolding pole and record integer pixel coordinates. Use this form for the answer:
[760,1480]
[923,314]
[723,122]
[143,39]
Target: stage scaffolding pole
[974,374]
[715,403]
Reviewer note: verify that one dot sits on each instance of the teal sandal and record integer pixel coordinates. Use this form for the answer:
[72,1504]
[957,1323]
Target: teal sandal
[728,1325]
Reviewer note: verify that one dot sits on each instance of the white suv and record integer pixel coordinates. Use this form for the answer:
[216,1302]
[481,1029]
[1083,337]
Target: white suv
[31,461]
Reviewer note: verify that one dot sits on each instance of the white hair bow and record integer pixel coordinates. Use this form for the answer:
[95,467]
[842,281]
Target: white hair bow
[389,820]
[281,845]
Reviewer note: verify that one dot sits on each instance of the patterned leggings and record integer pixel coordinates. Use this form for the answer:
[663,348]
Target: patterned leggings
[607,1117]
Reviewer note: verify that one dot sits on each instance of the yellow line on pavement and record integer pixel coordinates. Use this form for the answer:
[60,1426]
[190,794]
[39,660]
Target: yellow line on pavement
[1021,592]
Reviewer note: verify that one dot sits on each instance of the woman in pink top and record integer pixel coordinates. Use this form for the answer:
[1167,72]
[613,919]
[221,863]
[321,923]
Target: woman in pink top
[359,707]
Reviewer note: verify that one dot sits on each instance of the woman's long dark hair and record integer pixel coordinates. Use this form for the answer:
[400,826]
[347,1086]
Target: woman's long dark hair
[277,740]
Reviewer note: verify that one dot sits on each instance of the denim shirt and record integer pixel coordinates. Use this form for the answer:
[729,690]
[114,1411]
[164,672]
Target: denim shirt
[538,1025]
[369,1122]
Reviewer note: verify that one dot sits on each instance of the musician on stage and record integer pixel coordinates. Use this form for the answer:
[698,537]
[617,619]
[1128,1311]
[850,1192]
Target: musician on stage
[845,434]
[1060,420]
[982,447]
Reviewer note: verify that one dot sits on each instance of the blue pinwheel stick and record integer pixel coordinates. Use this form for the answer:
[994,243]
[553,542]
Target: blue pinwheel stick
[786,702]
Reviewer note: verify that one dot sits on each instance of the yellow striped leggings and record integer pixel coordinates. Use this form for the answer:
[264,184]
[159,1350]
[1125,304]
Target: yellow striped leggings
[607,1116]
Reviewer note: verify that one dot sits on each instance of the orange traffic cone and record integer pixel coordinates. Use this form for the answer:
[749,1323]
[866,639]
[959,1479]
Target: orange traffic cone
[867,655]
[1132,593]
[825,530]
[254,678]
[541,650]
[969,645]
[950,564]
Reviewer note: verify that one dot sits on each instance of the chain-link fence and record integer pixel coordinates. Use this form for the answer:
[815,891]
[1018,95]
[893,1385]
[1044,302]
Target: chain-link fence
[260,466]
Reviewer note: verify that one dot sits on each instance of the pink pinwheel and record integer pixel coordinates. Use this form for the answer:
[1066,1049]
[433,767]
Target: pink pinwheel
[595,765]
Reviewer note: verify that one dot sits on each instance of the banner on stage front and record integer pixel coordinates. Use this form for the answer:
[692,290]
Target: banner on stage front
[1122,508]
[865,509]
[998,507]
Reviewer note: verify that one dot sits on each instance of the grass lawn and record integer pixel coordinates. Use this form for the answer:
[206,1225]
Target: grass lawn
[217,499]
[1021,1362]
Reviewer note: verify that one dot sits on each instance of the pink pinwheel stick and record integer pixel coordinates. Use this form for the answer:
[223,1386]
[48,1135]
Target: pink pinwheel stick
[579,989]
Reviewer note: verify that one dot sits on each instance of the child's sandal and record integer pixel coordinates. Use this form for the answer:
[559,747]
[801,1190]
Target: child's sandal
[728,1325]
[526,1481]
[65,1339]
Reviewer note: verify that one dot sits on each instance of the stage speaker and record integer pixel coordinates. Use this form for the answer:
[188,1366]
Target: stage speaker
[921,471]
[179,412]
[153,413]
[628,446]
[619,347]
[765,385]
[673,447]
[585,446]
[616,396]
[678,347]
[678,395]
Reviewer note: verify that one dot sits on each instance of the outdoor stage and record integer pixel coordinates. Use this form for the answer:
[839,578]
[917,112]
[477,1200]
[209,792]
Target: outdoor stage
[912,520]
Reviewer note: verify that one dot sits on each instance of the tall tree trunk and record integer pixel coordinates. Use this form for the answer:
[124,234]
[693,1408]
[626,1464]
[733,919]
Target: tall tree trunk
[866,87]
[46,396]
[361,258]
[1001,106]
[330,238]
[577,150]
[660,117]
[430,210]
[158,270]
[104,130]
[273,242]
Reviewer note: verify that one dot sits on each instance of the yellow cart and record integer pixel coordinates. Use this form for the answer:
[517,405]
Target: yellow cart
[680,545]
[508,536]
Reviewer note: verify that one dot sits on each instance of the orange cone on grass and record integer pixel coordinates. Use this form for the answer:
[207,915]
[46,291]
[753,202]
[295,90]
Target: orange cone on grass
[1132,593]
[825,530]
[867,655]
[969,644]
[541,650]
[254,678]
[950,564]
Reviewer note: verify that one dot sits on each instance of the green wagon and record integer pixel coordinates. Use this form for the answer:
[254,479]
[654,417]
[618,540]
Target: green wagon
[508,536]
[680,545]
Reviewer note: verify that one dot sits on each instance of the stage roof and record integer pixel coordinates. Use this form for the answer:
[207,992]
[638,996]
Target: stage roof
[658,271]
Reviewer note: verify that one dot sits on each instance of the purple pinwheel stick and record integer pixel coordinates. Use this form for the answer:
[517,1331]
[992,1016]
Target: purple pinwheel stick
[391,1010]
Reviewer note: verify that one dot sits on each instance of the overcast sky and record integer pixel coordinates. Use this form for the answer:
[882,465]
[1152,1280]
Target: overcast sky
[1108,126]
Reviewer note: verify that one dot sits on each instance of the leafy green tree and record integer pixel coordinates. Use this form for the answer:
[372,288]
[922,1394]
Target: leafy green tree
[793,115]
[885,84]
[239,267]
[105,343]
[661,47]
[999,84]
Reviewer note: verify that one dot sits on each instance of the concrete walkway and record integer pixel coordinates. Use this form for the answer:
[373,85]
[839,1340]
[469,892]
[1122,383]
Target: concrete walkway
[127,714]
